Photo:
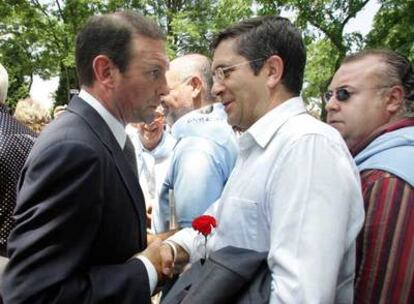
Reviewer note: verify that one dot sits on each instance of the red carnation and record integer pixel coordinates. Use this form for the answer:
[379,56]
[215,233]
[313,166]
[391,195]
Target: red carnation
[204,224]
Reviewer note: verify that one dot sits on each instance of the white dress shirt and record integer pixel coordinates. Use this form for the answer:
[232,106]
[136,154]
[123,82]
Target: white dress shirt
[118,130]
[152,165]
[294,192]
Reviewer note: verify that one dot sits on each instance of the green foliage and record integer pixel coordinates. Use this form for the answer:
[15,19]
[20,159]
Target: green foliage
[394,27]
[67,80]
[321,59]
[191,24]
[38,36]
[322,23]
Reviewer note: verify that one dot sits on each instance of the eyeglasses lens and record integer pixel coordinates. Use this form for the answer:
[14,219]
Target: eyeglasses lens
[340,95]
[219,74]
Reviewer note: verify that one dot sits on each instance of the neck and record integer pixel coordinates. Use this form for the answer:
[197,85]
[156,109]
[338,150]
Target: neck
[278,97]
[103,97]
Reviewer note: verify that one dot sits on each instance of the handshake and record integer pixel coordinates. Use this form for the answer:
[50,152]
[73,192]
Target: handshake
[166,258]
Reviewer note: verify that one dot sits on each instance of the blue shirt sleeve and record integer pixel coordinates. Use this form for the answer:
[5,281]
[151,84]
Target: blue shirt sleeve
[197,175]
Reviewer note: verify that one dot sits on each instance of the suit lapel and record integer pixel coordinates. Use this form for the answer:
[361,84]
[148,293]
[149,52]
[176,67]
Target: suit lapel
[101,129]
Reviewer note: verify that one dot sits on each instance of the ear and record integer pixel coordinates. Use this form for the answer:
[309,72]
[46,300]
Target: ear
[104,70]
[197,84]
[395,99]
[274,70]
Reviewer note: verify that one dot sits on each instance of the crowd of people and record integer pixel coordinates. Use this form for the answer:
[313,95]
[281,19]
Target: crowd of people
[97,206]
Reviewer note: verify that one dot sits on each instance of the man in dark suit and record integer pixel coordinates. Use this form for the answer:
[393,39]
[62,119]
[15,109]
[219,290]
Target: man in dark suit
[80,216]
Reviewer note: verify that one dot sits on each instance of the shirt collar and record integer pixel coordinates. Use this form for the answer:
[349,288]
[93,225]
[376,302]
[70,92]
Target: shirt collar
[116,127]
[263,130]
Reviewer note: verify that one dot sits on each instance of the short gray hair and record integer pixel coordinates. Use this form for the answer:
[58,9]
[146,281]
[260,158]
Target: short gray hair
[194,63]
[4,83]
[399,71]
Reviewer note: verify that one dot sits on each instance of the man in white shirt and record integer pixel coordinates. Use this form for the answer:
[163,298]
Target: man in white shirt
[80,214]
[153,147]
[294,191]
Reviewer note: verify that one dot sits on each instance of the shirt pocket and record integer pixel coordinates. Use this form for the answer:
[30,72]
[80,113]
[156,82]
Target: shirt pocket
[241,221]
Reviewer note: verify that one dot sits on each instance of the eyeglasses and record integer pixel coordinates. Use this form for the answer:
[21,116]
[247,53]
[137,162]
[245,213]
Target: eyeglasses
[343,94]
[222,73]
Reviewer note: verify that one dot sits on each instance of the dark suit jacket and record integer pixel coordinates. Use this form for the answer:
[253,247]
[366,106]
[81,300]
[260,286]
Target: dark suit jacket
[80,217]
[229,275]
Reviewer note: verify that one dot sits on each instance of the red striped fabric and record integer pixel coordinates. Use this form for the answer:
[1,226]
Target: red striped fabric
[385,247]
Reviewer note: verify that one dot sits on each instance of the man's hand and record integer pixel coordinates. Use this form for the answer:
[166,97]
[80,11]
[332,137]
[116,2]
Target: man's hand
[167,259]
[152,252]
[173,261]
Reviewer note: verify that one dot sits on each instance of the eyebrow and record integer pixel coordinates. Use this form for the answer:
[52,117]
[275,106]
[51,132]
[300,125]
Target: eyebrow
[222,65]
[157,62]
[346,86]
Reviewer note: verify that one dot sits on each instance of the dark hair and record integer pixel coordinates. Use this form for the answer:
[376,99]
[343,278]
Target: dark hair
[111,35]
[399,71]
[262,37]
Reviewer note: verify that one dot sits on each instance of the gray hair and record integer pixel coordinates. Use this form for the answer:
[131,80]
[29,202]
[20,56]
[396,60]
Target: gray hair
[4,83]
[399,71]
[195,64]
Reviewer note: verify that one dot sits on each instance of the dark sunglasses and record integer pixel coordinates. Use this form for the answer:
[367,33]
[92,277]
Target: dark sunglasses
[341,94]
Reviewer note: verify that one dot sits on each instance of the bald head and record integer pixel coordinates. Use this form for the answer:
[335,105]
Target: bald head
[4,83]
[194,65]
[189,80]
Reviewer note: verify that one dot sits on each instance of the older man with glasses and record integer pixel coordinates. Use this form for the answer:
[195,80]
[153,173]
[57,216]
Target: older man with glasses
[294,191]
[206,151]
[371,103]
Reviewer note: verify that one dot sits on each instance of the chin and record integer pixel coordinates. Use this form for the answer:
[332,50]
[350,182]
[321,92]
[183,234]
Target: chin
[230,120]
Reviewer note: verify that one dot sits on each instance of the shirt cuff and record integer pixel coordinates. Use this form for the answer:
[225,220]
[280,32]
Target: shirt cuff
[152,273]
[186,239]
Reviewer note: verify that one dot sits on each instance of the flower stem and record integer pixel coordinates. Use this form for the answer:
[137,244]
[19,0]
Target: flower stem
[205,247]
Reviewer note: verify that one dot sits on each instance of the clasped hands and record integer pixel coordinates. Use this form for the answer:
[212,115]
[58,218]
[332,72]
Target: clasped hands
[162,257]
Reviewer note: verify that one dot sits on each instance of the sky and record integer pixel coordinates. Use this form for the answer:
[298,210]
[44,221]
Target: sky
[363,20]
[42,90]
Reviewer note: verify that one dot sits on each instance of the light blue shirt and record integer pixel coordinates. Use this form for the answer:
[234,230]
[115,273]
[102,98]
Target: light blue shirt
[391,152]
[200,166]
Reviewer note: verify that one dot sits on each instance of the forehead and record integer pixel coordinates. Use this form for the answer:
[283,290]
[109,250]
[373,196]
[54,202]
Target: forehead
[362,72]
[173,77]
[225,54]
[150,49]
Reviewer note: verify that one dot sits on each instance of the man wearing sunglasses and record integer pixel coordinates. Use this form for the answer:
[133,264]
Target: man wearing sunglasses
[294,191]
[371,102]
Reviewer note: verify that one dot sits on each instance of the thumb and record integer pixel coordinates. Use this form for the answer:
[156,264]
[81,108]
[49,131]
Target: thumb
[167,259]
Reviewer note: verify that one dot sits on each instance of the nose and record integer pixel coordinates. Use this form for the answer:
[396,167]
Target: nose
[217,89]
[164,89]
[332,104]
